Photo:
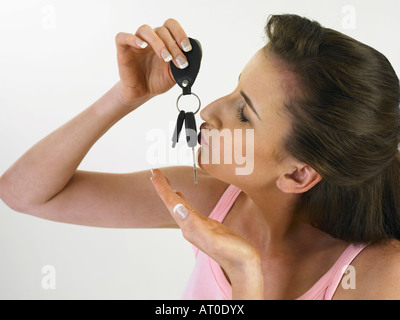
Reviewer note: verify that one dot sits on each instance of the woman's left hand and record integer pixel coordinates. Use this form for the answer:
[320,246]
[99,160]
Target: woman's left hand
[238,258]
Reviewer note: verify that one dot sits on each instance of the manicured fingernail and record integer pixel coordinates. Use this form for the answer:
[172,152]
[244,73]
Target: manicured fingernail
[166,55]
[141,43]
[186,45]
[181,211]
[182,62]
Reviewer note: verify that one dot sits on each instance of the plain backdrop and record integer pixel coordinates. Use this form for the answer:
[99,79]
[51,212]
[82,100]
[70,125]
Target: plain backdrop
[58,57]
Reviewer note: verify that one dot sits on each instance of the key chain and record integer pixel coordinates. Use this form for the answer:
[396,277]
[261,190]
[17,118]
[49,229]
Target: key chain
[185,79]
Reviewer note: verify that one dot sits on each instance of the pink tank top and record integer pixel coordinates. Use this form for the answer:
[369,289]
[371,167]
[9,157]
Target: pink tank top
[208,282]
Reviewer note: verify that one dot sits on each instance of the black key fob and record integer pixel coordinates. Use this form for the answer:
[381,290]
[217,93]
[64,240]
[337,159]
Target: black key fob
[186,77]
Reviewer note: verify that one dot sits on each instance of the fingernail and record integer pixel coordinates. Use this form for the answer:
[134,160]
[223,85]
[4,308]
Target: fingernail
[166,55]
[186,45]
[182,62]
[141,43]
[152,173]
[181,211]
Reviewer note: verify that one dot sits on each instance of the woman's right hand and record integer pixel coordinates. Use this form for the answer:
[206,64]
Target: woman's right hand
[143,60]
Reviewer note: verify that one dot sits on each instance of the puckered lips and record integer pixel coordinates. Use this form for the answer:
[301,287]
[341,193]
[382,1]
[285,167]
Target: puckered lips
[201,138]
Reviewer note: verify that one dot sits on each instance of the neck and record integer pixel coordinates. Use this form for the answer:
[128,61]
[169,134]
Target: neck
[274,221]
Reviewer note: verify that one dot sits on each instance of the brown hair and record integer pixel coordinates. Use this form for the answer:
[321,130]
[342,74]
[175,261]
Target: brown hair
[346,125]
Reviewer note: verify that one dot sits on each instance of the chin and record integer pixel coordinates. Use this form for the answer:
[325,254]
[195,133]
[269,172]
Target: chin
[223,172]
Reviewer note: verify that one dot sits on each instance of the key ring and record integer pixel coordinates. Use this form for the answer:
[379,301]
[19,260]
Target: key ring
[180,96]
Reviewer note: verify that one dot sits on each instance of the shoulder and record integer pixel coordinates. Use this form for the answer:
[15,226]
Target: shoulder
[377,273]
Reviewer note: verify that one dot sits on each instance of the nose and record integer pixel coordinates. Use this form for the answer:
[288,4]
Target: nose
[204,113]
[210,114]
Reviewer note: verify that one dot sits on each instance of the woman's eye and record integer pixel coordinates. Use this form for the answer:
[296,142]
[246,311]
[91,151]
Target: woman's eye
[240,114]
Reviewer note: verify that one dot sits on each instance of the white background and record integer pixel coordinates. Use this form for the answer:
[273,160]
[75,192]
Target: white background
[58,57]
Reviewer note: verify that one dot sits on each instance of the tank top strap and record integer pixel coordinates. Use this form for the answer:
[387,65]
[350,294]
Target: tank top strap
[326,286]
[225,203]
[223,206]
[341,267]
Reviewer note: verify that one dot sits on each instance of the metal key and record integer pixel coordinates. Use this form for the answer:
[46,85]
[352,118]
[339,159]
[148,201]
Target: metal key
[191,138]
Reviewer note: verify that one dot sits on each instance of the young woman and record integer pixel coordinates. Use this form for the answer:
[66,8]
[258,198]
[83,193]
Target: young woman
[324,192]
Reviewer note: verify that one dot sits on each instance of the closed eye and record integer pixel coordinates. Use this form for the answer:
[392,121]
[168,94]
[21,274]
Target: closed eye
[240,114]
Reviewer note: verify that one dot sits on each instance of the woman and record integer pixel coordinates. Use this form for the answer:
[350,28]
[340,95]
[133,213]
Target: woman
[324,109]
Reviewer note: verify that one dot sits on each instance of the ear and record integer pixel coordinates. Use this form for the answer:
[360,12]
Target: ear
[299,180]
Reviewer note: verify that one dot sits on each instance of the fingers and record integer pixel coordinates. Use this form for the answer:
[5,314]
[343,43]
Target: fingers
[172,49]
[170,197]
[192,224]
[226,247]
[168,41]
[202,232]
[181,195]
[179,207]
[178,34]
[130,40]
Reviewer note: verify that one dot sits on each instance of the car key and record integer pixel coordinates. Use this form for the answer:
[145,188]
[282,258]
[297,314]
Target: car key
[178,128]
[185,79]
[191,137]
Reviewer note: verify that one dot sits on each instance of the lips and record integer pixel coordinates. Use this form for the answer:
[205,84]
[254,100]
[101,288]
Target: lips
[201,139]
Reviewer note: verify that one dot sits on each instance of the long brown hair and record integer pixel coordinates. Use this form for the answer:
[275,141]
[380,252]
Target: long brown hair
[345,124]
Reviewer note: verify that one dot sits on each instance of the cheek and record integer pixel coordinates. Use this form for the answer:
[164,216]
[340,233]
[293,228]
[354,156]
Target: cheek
[256,158]
[267,164]
[245,151]
[241,158]
[231,148]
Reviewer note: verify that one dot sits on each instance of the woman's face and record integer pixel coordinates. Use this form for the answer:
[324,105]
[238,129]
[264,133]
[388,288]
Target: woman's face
[252,123]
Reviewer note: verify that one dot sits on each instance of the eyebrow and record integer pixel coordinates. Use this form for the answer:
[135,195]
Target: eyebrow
[247,99]
[249,103]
